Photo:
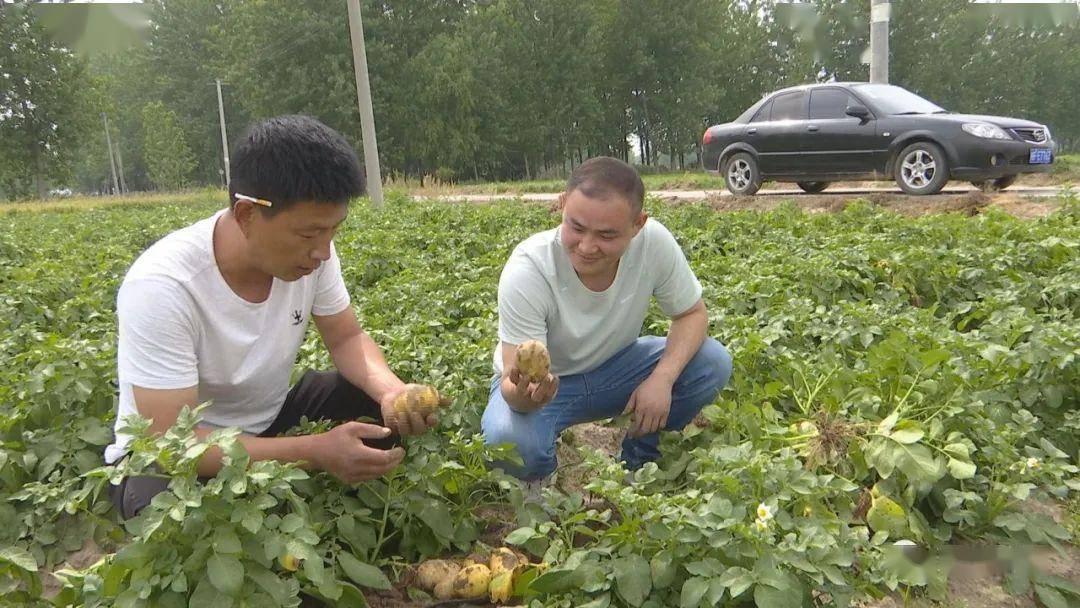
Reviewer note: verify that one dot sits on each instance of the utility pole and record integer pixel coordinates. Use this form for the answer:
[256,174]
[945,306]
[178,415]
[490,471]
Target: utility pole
[120,166]
[112,161]
[224,137]
[367,115]
[879,40]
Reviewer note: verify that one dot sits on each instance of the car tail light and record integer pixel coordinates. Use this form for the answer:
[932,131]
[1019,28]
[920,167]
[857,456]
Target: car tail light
[707,138]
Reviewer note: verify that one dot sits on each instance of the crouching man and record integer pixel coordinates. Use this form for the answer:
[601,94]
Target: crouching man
[583,289]
[217,312]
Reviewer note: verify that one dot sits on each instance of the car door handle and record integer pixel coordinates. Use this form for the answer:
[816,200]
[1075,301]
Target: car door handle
[751,131]
[812,128]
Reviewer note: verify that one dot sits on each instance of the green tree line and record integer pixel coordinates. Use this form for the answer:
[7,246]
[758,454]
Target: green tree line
[489,89]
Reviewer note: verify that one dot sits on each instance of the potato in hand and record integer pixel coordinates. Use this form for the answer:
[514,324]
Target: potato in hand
[419,398]
[533,360]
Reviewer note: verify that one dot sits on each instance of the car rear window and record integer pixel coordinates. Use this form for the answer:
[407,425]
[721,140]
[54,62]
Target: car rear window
[762,115]
[789,106]
[828,103]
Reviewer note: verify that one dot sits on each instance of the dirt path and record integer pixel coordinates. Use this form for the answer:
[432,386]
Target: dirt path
[1025,203]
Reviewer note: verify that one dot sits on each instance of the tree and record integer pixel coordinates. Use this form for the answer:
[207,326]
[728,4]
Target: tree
[168,157]
[45,106]
[185,54]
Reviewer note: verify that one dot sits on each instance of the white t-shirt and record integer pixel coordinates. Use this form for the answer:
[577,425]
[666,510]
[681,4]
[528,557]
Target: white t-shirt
[542,298]
[181,325]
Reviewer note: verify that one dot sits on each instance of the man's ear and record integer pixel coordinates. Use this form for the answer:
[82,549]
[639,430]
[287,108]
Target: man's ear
[244,212]
[639,223]
[562,201]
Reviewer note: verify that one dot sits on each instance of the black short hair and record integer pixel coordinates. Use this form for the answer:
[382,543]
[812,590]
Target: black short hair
[603,177]
[291,159]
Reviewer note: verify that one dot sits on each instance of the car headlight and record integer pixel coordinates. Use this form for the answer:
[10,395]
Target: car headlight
[987,130]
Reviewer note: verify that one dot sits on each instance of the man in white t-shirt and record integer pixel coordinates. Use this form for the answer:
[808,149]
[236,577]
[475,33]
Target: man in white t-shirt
[217,311]
[583,289]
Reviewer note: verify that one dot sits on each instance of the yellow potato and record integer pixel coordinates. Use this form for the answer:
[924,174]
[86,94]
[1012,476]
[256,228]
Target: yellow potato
[289,562]
[533,360]
[472,582]
[419,398]
[445,589]
[501,587]
[433,571]
[503,560]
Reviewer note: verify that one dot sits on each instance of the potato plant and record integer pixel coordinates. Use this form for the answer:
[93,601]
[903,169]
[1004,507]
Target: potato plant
[896,379]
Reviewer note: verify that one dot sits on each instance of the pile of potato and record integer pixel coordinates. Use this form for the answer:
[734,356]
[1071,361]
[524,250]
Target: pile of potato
[473,578]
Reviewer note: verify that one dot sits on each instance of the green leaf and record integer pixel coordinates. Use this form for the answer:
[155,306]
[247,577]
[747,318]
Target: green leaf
[633,578]
[715,592]
[1051,450]
[226,573]
[663,569]
[361,573]
[918,463]
[907,435]
[994,353]
[226,541]
[958,450]
[437,516]
[520,536]
[554,581]
[206,595]
[960,469]
[270,583]
[19,557]
[767,596]
[692,592]
[736,580]
[887,424]
[1050,597]
[601,602]
[886,515]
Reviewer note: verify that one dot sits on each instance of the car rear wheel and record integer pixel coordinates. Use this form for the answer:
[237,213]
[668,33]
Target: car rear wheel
[741,174]
[995,185]
[812,187]
[921,168]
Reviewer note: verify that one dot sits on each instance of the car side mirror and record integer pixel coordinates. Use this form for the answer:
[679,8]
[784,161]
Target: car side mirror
[858,111]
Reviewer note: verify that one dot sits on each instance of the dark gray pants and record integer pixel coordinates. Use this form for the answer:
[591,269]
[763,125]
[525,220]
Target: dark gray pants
[317,396]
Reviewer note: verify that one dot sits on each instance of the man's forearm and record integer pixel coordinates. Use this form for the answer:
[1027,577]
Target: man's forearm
[684,339]
[283,449]
[362,363]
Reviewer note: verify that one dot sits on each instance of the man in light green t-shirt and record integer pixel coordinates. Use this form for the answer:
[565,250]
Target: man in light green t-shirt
[583,289]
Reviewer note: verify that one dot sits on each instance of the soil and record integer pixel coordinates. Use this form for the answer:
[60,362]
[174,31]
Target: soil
[976,581]
[968,203]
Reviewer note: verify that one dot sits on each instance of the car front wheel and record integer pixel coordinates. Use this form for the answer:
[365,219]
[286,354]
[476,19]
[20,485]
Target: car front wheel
[741,174]
[995,185]
[812,187]
[921,168]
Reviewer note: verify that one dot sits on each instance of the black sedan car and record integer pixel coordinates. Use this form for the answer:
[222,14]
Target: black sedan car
[815,134]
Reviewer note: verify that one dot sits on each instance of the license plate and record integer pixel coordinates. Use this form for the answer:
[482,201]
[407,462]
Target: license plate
[1041,156]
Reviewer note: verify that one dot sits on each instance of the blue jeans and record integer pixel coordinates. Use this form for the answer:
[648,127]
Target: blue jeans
[601,394]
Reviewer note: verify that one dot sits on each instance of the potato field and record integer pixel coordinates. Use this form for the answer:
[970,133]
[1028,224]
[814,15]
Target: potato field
[897,380]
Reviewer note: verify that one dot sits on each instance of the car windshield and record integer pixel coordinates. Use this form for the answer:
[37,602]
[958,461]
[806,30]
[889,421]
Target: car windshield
[894,100]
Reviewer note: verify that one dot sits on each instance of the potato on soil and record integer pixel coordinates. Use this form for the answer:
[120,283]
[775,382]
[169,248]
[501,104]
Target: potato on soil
[533,360]
[474,558]
[503,560]
[501,587]
[445,589]
[419,398]
[433,571]
[289,562]
[472,582]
